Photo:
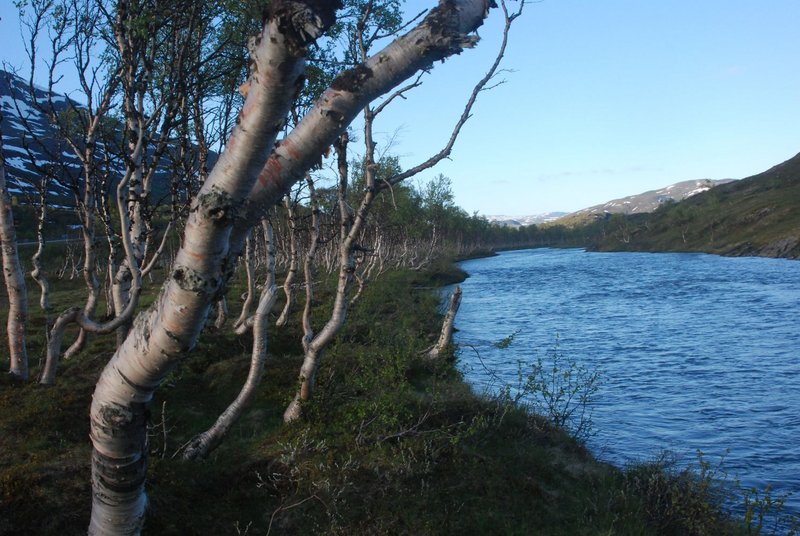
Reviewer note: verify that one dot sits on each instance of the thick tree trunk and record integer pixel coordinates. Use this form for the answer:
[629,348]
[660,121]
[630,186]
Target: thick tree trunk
[203,444]
[14,279]
[448,20]
[162,335]
[445,31]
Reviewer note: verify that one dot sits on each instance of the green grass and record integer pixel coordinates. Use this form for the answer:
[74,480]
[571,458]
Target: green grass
[755,216]
[391,444]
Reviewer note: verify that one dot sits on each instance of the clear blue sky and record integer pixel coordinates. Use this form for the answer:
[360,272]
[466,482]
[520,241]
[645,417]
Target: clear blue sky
[606,99]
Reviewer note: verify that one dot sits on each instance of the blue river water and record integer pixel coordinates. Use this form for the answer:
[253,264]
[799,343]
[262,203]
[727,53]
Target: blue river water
[695,352]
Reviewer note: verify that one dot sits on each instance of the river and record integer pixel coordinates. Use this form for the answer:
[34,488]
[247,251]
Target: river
[695,352]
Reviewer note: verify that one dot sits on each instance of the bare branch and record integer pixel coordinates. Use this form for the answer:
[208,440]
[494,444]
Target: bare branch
[466,114]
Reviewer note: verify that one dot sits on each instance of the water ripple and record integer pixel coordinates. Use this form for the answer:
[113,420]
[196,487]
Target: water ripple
[695,351]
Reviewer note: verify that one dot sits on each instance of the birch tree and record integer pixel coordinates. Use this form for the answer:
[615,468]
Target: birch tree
[14,279]
[250,176]
[152,42]
[74,37]
[369,25]
[202,444]
[448,324]
[288,282]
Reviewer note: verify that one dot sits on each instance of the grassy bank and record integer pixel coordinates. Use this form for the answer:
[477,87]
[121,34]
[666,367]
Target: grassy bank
[391,444]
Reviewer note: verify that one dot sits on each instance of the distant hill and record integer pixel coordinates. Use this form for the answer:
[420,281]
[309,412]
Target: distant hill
[20,118]
[759,215]
[50,152]
[520,221]
[641,203]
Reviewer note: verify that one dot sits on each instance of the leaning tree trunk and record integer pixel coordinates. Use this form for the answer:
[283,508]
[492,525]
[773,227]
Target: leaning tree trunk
[89,209]
[447,325]
[15,280]
[350,228]
[446,30]
[246,321]
[204,443]
[162,335]
[308,263]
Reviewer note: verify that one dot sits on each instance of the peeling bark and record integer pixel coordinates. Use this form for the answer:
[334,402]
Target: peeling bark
[445,31]
[201,445]
[163,334]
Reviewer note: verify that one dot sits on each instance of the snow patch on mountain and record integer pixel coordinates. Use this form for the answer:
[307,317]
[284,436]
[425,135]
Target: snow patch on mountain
[520,221]
[651,200]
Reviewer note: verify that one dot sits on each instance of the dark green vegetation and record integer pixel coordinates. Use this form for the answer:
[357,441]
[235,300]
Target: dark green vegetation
[391,444]
[754,216]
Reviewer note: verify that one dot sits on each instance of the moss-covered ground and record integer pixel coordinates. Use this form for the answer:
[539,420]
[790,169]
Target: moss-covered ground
[391,443]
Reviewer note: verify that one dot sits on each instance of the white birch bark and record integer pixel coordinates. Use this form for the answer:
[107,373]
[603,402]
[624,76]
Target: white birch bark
[162,335]
[204,443]
[448,325]
[37,273]
[82,317]
[250,269]
[14,279]
[89,233]
[201,445]
[350,227]
[291,274]
[308,263]
[445,31]
[443,17]
[269,238]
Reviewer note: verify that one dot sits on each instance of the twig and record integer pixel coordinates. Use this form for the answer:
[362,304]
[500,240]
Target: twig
[284,508]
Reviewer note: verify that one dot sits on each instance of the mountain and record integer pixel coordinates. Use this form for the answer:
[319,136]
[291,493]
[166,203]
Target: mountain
[642,203]
[520,221]
[33,147]
[633,204]
[28,137]
[759,215]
